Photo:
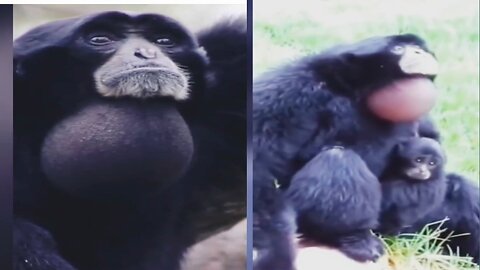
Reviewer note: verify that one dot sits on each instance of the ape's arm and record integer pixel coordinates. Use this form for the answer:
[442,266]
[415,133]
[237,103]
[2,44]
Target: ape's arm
[329,211]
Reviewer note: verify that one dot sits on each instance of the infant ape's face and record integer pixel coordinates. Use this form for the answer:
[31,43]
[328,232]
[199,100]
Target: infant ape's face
[421,158]
[421,167]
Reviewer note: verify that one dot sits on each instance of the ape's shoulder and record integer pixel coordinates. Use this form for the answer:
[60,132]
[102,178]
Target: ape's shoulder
[225,40]
[225,44]
[458,186]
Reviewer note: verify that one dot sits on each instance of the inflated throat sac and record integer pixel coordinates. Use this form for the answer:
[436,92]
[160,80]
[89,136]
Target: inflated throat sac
[404,100]
[108,147]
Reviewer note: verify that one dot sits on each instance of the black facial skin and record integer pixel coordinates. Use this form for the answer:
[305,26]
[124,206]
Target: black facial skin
[129,140]
[141,59]
[319,101]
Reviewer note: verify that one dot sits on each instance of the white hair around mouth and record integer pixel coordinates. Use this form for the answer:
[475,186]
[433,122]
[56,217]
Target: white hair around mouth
[144,82]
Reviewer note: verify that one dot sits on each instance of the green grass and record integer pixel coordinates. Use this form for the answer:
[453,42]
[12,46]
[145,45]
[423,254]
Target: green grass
[284,31]
[425,251]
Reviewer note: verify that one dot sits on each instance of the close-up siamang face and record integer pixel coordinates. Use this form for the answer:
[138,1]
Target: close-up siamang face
[109,92]
[141,55]
[125,55]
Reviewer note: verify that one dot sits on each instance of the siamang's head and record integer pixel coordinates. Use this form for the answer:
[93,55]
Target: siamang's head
[392,74]
[374,62]
[419,159]
[113,54]
[101,94]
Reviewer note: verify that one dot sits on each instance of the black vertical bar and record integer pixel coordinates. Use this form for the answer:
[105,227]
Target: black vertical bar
[249,135]
[6,135]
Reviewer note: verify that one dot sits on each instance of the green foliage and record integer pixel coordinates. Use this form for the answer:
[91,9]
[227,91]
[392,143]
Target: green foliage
[426,251]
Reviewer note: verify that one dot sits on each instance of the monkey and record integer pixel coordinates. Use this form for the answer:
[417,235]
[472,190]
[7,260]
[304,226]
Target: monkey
[128,141]
[413,183]
[357,96]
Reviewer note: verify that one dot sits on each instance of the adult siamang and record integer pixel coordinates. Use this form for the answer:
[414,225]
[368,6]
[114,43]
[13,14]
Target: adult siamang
[332,120]
[129,140]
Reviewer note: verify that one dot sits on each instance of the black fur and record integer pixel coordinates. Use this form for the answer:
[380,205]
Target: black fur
[318,101]
[34,248]
[133,224]
[310,198]
[461,205]
[405,200]
[274,226]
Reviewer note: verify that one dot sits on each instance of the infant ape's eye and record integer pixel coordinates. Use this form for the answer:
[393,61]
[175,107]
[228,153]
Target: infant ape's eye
[419,160]
[398,49]
[100,40]
[165,41]
[432,163]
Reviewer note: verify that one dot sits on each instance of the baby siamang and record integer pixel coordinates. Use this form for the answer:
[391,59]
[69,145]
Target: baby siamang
[335,98]
[457,200]
[413,183]
[129,140]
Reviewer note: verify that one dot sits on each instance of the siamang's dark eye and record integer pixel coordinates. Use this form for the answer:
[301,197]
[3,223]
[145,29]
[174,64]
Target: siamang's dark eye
[398,49]
[100,40]
[165,41]
[419,160]
[432,163]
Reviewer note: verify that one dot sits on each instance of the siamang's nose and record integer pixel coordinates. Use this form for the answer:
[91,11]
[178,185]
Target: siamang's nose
[144,53]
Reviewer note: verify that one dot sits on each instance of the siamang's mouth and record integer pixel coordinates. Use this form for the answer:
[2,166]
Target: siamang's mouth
[425,65]
[138,69]
[145,82]
[418,174]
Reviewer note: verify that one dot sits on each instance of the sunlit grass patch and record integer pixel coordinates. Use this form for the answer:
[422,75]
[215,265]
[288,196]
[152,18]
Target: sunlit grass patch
[426,250]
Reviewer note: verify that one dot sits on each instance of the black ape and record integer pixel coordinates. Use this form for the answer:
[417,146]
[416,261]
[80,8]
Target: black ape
[128,145]
[318,101]
[413,184]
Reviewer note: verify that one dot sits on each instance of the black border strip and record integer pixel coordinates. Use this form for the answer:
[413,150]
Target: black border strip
[6,135]
[249,136]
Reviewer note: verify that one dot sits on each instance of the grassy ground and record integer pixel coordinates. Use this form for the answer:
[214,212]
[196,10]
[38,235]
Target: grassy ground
[284,31]
[425,251]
